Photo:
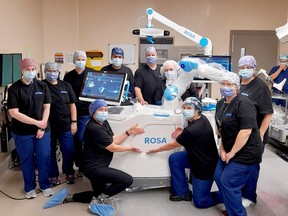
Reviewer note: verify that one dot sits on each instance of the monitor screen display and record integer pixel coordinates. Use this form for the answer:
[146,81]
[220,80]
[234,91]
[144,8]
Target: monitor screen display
[225,61]
[106,85]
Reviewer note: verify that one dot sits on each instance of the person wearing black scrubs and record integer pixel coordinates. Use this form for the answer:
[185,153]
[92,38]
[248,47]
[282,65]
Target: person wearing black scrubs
[258,92]
[147,78]
[29,106]
[63,122]
[117,57]
[241,147]
[76,78]
[200,157]
[99,145]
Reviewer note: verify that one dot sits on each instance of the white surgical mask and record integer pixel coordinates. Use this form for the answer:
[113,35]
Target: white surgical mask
[170,75]
[101,116]
[117,61]
[29,75]
[80,64]
[246,73]
[188,113]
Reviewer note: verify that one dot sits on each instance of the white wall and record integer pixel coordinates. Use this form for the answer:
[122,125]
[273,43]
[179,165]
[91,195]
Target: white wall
[48,26]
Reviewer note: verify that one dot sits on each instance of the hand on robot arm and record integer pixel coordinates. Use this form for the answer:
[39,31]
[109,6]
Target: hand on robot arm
[190,68]
[278,86]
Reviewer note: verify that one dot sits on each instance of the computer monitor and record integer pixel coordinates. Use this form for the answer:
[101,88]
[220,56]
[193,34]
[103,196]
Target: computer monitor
[107,85]
[225,61]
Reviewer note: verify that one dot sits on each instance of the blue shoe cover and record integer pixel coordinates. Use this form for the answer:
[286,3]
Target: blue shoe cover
[57,199]
[102,209]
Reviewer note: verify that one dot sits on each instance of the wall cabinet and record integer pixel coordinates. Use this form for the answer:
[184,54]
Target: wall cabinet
[9,68]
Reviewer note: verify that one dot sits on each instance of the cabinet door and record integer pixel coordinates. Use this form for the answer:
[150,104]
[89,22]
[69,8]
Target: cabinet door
[6,69]
[16,73]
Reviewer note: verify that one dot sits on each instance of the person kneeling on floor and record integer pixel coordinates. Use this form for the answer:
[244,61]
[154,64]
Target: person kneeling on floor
[200,156]
[99,145]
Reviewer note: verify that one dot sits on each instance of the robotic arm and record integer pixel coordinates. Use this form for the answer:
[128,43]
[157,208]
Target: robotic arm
[190,68]
[150,31]
[193,67]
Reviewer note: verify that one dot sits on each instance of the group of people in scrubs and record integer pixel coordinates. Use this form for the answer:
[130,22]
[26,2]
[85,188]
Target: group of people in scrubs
[242,119]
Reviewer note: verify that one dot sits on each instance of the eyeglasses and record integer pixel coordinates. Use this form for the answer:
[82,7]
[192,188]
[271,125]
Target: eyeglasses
[246,67]
[229,85]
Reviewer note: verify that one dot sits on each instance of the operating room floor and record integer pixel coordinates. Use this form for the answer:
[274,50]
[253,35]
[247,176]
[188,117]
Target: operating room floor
[272,196]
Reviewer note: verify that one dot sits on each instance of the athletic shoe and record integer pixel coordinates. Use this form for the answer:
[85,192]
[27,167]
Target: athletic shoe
[246,202]
[57,198]
[31,194]
[70,179]
[47,192]
[54,181]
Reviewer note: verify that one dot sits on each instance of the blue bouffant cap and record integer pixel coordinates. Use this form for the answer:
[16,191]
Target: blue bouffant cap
[194,103]
[95,105]
[117,51]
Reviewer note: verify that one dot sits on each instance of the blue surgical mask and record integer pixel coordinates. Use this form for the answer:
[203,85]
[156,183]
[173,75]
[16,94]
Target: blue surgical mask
[188,113]
[226,91]
[80,64]
[170,75]
[246,73]
[29,75]
[101,116]
[151,59]
[117,61]
[52,76]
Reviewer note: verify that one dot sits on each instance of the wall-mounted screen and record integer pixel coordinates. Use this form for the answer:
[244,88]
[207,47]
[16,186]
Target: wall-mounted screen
[225,61]
[107,85]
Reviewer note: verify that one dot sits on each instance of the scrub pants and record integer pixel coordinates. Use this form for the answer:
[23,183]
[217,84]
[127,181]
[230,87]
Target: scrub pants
[249,190]
[202,197]
[101,176]
[67,149]
[230,179]
[27,147]
[78,139]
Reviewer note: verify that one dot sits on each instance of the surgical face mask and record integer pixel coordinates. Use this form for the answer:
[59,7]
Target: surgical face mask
[188,113]
[117,61]
[80,64]
[170,75]
[29,75]
[226,91]
[151,59]
[246,73]
[101,116]
[284,63]
[52,76]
